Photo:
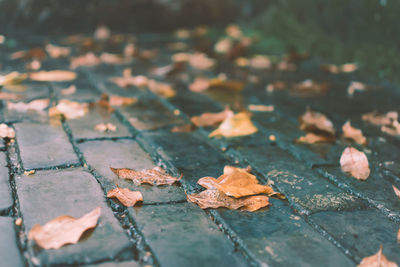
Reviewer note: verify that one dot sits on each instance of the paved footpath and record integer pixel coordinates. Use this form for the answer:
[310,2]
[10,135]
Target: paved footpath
[328,218]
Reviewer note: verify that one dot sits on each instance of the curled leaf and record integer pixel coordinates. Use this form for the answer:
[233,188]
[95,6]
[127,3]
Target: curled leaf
[236,182]
[155,176]
[377,260]
[312,121]
[127,197]
[355,86]
[63,230]
[353,133]
[53,76]
[355,162]
[212,198]
[233,126]
[211,119]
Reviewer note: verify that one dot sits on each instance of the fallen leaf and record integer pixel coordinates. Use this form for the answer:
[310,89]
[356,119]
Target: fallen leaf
[115,100]
[398,236]
[87,60]
[102,33]
[260,62]
[129,80]
[155,176]
[200,84]
[109,58]
[354,134]
[53,76]
[312,121]
[236,182]
[261,108]
[233,126]
[225,84]
[69,109]
[35,105]
[10,96]
[127,197]
[63,230]
[396,191]
[233,31]
[35,53]
[309,88]
[201,61]
[105,127]
[355,86]
[312,138]
[57,51]
[355,162]
[30,172]
[69,91]
[380,119]
[211,119]
[160,88]
[345,68]
[212,198]
[6,131]
[12,78]
[187,128]
[377,260]
[223,46]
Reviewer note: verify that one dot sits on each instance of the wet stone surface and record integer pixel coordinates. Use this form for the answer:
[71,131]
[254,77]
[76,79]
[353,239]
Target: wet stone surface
[44,145]
[126,154]
[6,201]
[9,252]
[74,192]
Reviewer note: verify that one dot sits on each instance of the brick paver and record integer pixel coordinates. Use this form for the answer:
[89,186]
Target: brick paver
[327,219]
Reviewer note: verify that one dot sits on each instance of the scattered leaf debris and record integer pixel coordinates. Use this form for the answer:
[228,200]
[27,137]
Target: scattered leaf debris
[155,176]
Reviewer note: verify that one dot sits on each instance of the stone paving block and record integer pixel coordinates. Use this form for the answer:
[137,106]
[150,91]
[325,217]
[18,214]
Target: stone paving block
[182,235]
[189,153]
[9,252]
[29,90]
[296,181]
[277,237]
[44,145]
[114,264]
[84,127]
[85,91]
[361,232]
[126,154]
[6,200]
[149,114]
[71,192]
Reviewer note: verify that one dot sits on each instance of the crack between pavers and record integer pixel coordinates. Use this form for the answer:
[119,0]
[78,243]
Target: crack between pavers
[116,138]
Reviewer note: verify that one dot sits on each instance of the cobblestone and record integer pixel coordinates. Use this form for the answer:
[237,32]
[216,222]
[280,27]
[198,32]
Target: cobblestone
[6,200]
[9,252]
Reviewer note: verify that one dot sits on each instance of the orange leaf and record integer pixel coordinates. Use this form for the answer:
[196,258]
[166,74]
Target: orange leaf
[312,121]
[211,119]
[377,260]
[212,198]
[261,108]
[155,176]
[105,127]
[233,126]
[236,182]
[12,78]
[309,88]
[87,60]
[68,91]
[162,89]
[200,84]
[57,51]
[187,128]
[127,197]
[53,76]
[36,105]
[201,61]
[353,133]
[6,131]
[70,109]
[396,191]
[121,100]
[312,138]
[63,230]
[355,162]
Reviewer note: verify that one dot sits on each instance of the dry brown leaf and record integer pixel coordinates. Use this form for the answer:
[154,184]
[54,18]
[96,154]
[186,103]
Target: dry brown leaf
[12,78]
[114,59]
[53,76]
[115,100]
[35,105]
[128,80]
[396,191]
[312,138]
[355,86]
[275,86]
[69,91]
[233,126]
[87,60]
[102,33]
[127,197]
[354,134]
[33,65]
[398,236]
[312,121]
[346,68]
[155,176]
[10,96]
[6,131]
[226,84]
[211,119]
[160,88]
[355,162]
[223,46]
[105,127]
[63,230]
[70,109]
[236,182]
[212,198]
[201,61]
[57,51]
[261,108]
[309,88]
[377,260]
[380,119]
[200,84]
[260,62]
[35,53]
[187,128]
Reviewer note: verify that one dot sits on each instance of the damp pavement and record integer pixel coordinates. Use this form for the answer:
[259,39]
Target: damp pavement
[328,218]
